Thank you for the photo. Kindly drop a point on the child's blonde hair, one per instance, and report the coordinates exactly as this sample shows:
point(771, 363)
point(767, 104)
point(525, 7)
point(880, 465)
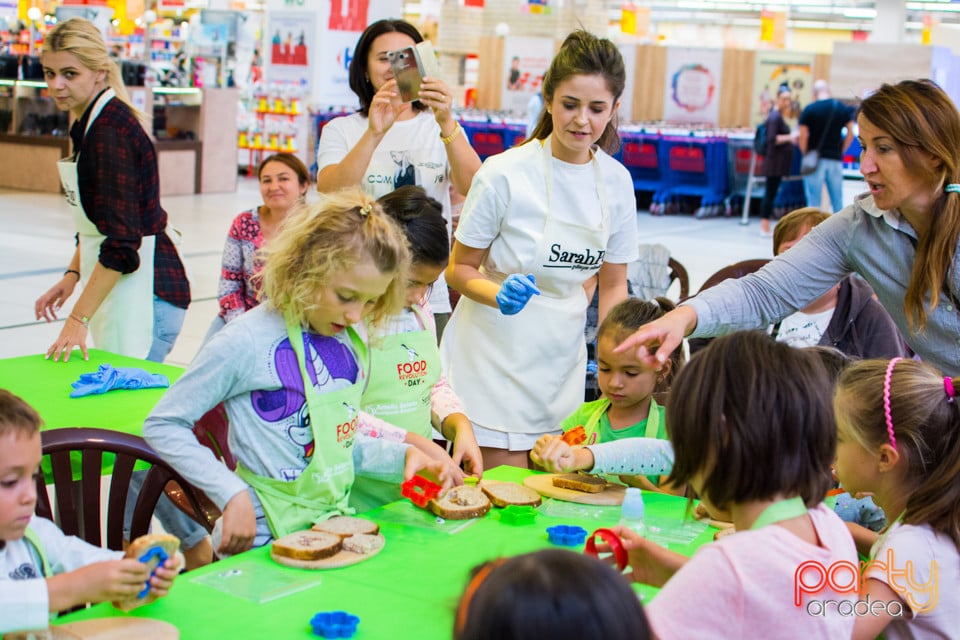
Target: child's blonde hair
point(329, 237)
point(16, 416)
point(925, 417)
point(82, 38)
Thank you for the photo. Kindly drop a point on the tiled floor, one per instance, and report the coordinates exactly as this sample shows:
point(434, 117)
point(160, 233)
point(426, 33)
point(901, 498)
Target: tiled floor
point(37, 242)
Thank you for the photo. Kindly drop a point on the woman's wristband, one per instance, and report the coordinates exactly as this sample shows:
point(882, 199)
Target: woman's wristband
point(84, 320)
point(74, 272)
point(453, 134)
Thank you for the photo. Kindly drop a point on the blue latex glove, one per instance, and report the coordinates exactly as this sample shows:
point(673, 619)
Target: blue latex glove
point(108, 377)
point(515, 292)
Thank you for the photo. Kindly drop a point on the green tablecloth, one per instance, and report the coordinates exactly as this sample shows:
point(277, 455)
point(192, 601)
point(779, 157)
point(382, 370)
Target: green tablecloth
point(409, 590)
point(46, 386)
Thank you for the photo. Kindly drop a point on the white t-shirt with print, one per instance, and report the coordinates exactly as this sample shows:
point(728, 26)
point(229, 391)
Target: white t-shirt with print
point(411, 152)
point(801, 329)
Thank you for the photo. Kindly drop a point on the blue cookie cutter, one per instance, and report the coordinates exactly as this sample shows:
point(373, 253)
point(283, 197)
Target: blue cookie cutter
point(161, 556)
point(567, 535)
point(334, 624)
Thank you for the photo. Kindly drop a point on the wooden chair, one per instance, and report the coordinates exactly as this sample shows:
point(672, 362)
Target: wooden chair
point(735, 270)
point(76, 457)
point(679, 273)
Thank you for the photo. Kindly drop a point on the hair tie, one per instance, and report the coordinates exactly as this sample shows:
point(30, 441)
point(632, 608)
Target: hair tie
point(886, 401)
point(952, 188)
point(948, 389)
point(366, 209)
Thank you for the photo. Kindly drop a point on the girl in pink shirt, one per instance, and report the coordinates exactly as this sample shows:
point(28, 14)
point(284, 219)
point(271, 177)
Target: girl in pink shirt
point(899, 439)
point(753, 434)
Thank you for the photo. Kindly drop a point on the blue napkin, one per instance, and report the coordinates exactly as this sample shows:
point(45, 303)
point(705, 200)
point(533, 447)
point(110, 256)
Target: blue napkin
point(108, 377)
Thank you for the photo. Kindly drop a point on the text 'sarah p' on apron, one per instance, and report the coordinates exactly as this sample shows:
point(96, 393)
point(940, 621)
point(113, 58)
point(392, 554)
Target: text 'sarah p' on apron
point(322, 489)
point(403, 369)
point(124, 321)
point(524, 373)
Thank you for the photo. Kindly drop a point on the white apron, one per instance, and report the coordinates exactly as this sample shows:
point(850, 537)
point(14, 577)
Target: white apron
point(124, 321)
point(524, 373)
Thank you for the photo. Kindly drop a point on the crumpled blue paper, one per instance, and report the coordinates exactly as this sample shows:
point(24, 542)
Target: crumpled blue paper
point(108, 378)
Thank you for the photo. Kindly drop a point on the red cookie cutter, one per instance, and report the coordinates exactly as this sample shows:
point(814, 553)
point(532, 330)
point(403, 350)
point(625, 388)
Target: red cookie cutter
point(575, 436)
point(420, 490)
point(616, 546)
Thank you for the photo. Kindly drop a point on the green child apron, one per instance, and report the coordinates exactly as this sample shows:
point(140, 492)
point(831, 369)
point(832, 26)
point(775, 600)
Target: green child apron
point(31, 536)
point(403, 369)
point(323, 488)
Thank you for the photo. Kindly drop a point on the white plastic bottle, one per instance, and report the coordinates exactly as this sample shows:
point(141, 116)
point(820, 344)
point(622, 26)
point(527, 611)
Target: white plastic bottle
point(631, 512)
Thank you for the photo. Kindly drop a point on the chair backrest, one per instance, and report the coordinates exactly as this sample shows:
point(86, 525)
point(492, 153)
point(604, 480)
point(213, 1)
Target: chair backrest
point(77, 458)
point(211, 431)
point(735, 270)
point(654, 272)
point(679, 272)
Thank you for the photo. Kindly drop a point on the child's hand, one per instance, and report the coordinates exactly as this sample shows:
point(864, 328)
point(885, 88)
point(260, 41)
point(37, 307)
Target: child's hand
point(556, 456)
point(97, 582)
point(465, 447)
point(649, 562)
point(239, 525)
point(446, 473)
point(164, 575)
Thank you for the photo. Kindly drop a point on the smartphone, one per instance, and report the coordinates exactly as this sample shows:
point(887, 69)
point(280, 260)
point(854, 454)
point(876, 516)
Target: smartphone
point(410, 65)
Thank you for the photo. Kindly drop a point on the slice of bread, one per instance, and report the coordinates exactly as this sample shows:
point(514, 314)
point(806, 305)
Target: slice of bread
point(363, 543)
point(141, 549)
point(502, 494)
point(580, 482)
point(346, 526)
point(460, 503)
point(307, 545)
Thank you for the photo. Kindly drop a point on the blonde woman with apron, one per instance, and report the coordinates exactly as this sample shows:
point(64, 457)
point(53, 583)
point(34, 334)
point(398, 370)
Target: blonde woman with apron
point(540, 222)
point(112, 187)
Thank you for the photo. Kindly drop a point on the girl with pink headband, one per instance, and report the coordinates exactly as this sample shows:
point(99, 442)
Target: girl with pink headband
point(899, 439)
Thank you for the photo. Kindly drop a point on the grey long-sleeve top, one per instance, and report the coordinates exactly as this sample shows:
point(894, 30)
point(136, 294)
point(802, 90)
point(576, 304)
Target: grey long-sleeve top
point(878, 245)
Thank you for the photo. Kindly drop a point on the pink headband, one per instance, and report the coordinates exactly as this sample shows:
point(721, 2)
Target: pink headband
point(948, 388)
point(886, 401)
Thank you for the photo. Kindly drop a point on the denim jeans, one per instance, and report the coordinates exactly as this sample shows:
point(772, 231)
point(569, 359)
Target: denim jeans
point(167, 321)
point(831, 172)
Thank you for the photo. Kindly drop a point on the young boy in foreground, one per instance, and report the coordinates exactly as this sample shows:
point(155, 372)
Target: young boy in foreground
point(42, 570)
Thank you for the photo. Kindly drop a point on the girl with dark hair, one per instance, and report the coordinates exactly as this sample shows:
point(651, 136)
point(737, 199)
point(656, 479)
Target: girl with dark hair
point(406, 387)
point(899, 439)
point(540, 221)
point(627, 408)
point(753, 434)
point(388, 143)
point(901, 237)
point(553, 593)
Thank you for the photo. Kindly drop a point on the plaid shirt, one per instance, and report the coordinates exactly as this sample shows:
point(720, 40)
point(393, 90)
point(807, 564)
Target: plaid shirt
point(120, 194)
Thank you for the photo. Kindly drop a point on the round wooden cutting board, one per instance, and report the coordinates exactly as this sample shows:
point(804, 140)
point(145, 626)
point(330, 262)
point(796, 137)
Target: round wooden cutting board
point(116, 629)
point(611, 496)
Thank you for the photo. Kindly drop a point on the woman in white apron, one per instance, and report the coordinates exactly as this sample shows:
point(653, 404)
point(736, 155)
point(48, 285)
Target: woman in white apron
point(545, 217)
point(388, 143)
point(135, 289)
